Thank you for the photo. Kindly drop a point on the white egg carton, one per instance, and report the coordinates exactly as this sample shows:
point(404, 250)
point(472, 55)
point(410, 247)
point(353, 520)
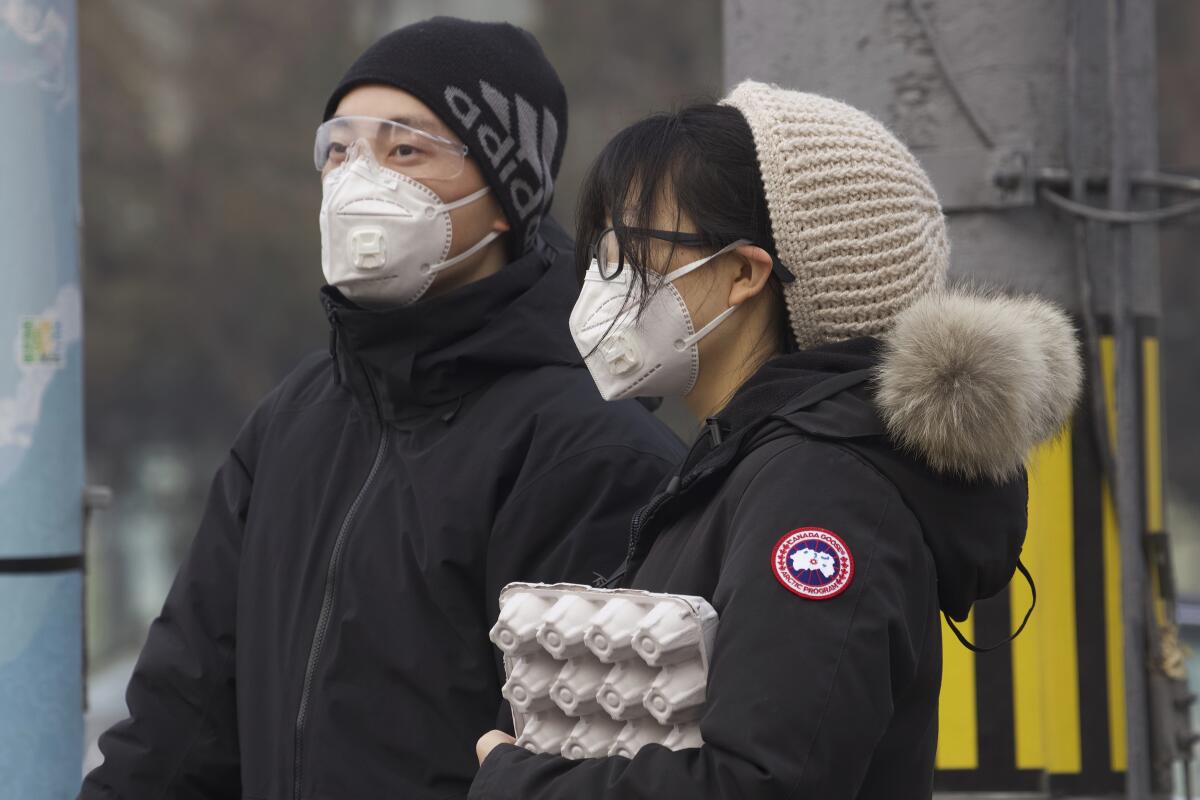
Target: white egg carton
point(596, 672)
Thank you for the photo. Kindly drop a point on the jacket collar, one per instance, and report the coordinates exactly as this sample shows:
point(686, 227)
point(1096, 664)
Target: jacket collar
point(817, 390)
point(813, 384)
point(437, 351)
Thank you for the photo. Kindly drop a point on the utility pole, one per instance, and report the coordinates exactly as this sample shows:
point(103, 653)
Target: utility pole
point(1129, 36)
point(1036, 121)
point(41, 411)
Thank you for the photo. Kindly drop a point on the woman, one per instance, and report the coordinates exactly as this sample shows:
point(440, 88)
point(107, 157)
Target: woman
point(778, 261)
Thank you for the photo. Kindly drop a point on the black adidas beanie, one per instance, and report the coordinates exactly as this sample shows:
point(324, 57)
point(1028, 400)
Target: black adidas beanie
point(491, 84)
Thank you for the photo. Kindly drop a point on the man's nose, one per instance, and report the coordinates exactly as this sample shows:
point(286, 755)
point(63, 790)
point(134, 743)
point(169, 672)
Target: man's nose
point(359, 148)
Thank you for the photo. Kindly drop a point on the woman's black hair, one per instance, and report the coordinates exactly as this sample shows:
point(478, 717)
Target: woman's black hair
point(703, 158)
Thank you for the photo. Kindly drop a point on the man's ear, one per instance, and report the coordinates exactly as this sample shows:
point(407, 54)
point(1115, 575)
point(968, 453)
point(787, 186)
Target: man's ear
point(753, 270)
point(500, 223)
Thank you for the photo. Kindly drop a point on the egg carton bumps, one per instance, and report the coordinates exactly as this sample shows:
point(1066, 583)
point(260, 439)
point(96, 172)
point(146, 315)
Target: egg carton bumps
point(598, 672)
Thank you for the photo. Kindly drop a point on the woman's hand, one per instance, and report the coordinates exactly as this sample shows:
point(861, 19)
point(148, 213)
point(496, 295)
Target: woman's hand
point(488, 742)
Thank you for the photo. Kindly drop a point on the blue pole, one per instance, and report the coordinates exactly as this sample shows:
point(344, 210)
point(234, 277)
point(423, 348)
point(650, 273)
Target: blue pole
point(41, 406)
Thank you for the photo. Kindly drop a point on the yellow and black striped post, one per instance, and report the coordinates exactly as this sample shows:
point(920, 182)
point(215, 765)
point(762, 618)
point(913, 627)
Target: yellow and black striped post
point(1047, 714)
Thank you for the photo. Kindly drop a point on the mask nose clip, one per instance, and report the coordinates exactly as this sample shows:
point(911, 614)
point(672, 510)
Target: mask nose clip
point(359, 148)
point(360, 159)
point(620, 354)
point(368, 247)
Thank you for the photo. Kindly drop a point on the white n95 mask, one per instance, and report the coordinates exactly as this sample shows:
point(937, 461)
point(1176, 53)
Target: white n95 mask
point(653, 353)
point(385, 236)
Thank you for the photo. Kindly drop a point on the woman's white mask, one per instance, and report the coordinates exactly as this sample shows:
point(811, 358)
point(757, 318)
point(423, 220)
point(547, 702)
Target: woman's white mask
point(637, 348)
point(385, 236)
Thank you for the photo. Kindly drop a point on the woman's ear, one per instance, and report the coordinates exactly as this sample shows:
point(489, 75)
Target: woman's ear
point(753, 271)
point(500, 223)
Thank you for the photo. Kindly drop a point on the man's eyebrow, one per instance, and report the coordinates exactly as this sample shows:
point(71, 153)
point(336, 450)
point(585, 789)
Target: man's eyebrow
point(427, 124)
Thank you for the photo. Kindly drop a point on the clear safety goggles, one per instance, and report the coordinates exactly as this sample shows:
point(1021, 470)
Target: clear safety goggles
point(407, 150)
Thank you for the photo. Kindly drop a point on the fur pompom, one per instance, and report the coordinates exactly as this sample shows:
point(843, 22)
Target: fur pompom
point(972, 382)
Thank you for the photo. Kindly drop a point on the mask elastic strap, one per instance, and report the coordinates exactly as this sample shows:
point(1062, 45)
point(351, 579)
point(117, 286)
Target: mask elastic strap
point(434, 269)
point(977, 649)
point(465, 201)
point(671, 277)
point(685, 343)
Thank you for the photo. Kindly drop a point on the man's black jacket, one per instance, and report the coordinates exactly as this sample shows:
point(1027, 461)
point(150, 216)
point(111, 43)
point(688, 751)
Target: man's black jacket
point(326, 636)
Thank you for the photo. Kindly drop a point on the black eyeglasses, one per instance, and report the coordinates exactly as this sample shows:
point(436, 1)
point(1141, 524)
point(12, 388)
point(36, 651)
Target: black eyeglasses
point(610, 258)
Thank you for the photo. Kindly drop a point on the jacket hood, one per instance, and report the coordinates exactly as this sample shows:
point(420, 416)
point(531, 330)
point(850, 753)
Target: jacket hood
point(436, 351)
point(947, 405)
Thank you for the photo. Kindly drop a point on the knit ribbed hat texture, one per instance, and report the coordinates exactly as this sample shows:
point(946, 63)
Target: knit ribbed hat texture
point(492, 84)
point(854, 217)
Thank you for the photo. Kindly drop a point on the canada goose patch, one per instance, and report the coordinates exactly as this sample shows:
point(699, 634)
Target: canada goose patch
point(813, 563)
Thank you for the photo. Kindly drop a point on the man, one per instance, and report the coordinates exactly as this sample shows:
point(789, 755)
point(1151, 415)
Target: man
point(326, 636)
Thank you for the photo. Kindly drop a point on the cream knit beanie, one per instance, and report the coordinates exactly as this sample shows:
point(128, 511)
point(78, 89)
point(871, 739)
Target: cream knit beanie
point(855, 218)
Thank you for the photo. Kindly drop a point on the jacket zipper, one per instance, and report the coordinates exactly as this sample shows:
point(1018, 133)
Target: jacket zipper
point(318, 642)
point(674, 487)
point(644, 514)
